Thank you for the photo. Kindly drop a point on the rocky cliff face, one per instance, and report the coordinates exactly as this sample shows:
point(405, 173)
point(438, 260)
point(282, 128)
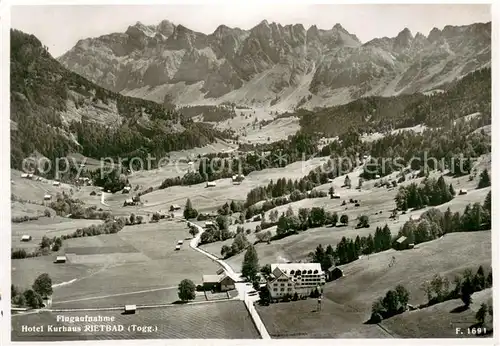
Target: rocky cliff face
point(271, 64)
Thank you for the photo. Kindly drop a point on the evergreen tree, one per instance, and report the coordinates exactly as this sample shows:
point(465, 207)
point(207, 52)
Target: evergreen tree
point(452, 190)
point(189, 211)
point(484, 179)
point(344, 219)
point(250, 266)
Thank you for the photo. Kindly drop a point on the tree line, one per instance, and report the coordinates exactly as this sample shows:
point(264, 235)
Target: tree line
point(431, 193)
point(224, 165)
point(387, 113)
point(434, 223)
point(349, 250)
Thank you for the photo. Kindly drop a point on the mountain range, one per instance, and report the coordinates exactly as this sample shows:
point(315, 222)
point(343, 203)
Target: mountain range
point(274, 65)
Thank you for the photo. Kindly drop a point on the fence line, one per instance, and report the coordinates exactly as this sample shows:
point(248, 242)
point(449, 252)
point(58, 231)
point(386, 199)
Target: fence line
point(256, 319)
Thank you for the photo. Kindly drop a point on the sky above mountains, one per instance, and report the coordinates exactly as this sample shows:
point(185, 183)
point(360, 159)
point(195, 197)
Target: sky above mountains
point(60, 27)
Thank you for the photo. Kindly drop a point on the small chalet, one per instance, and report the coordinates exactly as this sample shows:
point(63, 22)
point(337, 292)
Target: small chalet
point(333, 273)
point(60, 259)
point(129, 309)
point(26, 237)
point(175, 207)
point(218, 283)
point(209, 224)
point(402, 243)
point(47, 301)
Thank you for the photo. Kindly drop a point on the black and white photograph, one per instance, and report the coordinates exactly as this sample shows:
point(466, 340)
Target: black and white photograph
point(249, 171)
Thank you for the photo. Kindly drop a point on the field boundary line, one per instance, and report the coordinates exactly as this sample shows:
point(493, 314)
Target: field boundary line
point(385, 330)
point(140, 306)
point(116, 295)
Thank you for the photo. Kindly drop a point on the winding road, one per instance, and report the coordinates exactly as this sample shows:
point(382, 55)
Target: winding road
point(242, 287)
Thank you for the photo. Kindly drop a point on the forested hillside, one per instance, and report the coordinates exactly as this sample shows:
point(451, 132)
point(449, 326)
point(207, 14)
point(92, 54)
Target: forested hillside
point(55, 112)
point(377, 114)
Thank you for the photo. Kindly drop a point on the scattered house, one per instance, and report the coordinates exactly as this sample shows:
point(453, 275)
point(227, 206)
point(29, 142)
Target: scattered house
point(220, 271)
point(24, 175)
point(209, 224)
point(462, 192)
point(47, 301)
point(336, 196)
point(218, 283)
point(175, 207)
point(128, 202)
point(60, 259)
point(330, 180)
point(126, 189)
point(26, 237)
point(211, 184)
point(291, 278)
point(257, 218)
point(129, 309)
point(377, 176)
point(402, 243)
point(238, 178)
point(136, 199)
point(30, 176)
point(180, 242)
point(47, 197)
point(177, 247)
point(411, 246)
point(56, 183)
point(333, 273)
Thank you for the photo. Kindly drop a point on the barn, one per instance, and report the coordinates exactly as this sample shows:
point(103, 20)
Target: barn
point(402, 243)
point(218, 283)
point(333, 273)
point(209, 224)
point(129, 309)
point(26, 237)
point(60, 259)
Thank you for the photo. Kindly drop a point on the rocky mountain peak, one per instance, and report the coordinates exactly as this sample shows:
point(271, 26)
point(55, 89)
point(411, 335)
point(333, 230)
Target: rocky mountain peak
point(434, 35)
point(403, 39)
point(166, 28)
